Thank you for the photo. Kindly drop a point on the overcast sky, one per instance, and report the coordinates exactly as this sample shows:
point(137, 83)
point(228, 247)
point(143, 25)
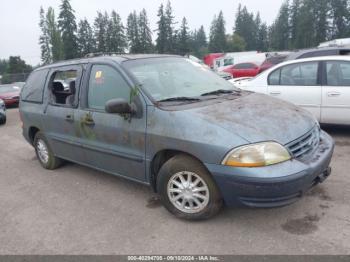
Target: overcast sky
point(19, 19)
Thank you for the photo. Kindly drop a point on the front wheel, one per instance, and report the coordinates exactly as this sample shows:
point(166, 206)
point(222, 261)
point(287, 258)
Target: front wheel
point(187, 189)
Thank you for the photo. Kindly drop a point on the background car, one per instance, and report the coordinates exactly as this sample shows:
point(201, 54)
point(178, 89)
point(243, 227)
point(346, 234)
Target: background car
point(10, 94)
point(315, 52)
point(243, 70)
point(2, 112)
point(320, 85)
point(272, 61)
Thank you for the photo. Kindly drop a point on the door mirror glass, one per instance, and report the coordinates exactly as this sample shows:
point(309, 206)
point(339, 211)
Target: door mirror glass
point(119, 106)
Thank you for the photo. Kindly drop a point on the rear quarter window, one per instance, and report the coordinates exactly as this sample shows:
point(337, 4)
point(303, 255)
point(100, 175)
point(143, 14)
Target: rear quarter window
point(33, 89)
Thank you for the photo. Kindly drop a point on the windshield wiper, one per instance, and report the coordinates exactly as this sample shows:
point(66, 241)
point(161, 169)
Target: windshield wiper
point(180, 98)
point(220, 91)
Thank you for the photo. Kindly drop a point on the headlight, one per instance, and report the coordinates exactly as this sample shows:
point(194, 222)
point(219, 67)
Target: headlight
point(257, 155)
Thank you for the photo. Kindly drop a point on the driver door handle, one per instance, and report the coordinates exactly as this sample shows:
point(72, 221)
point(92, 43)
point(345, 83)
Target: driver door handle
point(69, 118)
point(333, 94)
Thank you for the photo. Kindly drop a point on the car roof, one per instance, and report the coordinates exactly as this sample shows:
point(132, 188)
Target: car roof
point(103, 58)
point(302, 52)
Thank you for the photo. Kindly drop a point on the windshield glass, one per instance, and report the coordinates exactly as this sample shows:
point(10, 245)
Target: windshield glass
point(165, 78)
point(8, 89)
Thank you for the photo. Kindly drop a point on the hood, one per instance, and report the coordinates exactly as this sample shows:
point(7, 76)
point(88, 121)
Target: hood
point(257, 117)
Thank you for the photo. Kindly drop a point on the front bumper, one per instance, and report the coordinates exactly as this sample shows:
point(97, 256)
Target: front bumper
point(275, 185)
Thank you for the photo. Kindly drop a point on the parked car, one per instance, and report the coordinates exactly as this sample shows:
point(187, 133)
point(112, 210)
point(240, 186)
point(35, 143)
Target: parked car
point(315, 52)
point(320, 85)
point(272, 61)
point(10, 94)
point(243, 70)
point(2, 112)
point(168, 122)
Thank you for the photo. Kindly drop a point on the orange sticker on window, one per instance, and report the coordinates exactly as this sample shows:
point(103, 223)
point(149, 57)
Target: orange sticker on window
point(98, 75)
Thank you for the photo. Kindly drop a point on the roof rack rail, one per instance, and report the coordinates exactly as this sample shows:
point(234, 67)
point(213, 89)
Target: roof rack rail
point(91, 55)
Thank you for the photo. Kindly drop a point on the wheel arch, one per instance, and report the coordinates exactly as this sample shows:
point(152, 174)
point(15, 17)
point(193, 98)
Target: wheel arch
point(159, 159)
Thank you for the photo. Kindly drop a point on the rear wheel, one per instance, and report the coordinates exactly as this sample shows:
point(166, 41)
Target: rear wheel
point(44, 153)
point(187, 189)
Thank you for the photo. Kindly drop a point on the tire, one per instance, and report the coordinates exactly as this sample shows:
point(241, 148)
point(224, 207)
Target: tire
point(48, 160)
point(168, 180)
point(3, 120)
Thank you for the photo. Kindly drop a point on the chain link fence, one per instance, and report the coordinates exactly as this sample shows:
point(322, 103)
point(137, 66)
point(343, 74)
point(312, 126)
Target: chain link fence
point(11, 78)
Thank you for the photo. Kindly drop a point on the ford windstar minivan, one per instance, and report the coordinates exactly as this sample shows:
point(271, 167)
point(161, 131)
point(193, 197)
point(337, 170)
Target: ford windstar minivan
point(170, 123)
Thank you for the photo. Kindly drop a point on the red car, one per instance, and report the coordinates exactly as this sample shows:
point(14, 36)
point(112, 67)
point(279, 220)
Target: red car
point(243, 70)
point(10, 94)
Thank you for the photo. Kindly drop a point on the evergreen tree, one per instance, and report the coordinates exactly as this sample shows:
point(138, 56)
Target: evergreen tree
point(340, 18)
point(44, 39)
point(68, 27)
point(133, 33)
point(263, 40)
point(280, 29)
point(184, 39)
point(145, 37)
point(247, 27)
point(54, 34)
point(116, 39)
point(217, 38)
point(100, 31)
point(165, 29)
point(85, 38)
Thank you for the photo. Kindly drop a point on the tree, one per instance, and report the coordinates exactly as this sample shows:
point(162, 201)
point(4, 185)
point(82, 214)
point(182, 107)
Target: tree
point(183, 40)
point(116, 39)
point(85, 38)
point(133, 33)
point(54, 34)
point(145, 32)
point(279, 31)
point(165, 29)
point(340, 16)
point(247, 27)
point(68, 27)
point(262, 40)
point(217, 38)
point(14, 66)
point(199, 43)
point(44, 39)
point(100, 31)
point(236, 43)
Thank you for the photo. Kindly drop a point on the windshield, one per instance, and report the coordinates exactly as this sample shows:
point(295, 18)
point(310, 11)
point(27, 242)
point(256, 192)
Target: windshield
point(165, 78)
point(8, 89)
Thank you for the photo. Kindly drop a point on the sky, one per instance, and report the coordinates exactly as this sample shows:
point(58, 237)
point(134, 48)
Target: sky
point(19, 19)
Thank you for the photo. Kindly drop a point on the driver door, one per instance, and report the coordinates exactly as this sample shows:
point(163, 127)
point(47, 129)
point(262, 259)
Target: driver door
point(111, 142)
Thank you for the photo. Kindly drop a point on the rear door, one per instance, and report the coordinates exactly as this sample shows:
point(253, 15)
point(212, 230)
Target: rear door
point(336, 93)
point(62, 91)
point(299, 84)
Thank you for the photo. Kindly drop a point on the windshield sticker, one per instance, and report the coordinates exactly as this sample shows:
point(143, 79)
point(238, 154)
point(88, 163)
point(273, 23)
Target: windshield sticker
point(98, 75)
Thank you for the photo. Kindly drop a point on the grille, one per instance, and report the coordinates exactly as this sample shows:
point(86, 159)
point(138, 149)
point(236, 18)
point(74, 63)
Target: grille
point(305, 144)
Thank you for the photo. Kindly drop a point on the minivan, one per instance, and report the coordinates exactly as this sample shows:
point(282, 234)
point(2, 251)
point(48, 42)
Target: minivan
point(170, 123)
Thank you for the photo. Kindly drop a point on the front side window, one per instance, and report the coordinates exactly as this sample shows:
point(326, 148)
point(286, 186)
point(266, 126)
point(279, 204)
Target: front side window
point(304, 74)
point(33, 89)
point(338, 73)
point(165, 78)
point(228, 61)
point(105, 84)
point(274, 78)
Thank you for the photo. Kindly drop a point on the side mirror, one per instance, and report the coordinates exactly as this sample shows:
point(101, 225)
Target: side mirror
point(119, 106)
